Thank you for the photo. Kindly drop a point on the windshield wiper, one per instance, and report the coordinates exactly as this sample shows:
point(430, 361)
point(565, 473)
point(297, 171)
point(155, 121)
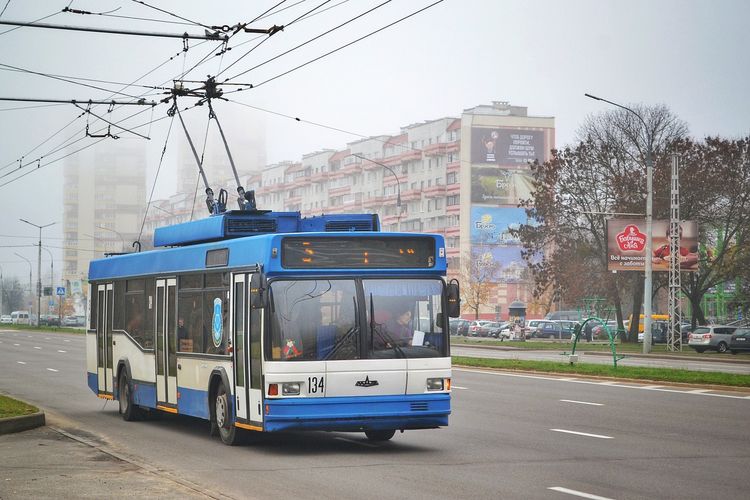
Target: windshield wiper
point(347, 336)
point(341, 341)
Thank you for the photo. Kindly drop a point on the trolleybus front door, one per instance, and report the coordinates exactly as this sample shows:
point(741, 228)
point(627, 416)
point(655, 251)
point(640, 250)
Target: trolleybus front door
point(166, 341)
point(246, 331)
point(104, 304)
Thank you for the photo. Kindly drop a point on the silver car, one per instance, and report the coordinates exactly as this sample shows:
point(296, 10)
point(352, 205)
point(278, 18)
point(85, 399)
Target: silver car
point(711, 338)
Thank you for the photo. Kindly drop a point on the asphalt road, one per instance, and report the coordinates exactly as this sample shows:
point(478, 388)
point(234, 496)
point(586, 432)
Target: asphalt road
point(510, 436)
point(726, 363)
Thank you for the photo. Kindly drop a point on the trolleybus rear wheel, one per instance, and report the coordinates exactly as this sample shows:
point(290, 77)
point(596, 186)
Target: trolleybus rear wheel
point(380, 435)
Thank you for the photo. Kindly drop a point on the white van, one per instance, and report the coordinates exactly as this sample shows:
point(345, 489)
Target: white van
point(19, 317)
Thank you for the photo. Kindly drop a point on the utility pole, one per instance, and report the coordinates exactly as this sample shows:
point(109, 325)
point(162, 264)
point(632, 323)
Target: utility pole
point(29, 263)
point(38, 269)
point(674, 340)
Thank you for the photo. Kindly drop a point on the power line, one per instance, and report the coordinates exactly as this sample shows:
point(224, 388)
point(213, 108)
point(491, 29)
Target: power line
point(6, 6)
point(348, 44)
point(32, 22)
point(310, 40)
point(30, 107)
point(8, 67)
point(171, 14)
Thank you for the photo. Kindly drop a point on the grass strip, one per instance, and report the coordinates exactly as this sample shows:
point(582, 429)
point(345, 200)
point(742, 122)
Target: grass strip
point(582, 346)
point(622, 372)
point(53, 329)
point(10, 407)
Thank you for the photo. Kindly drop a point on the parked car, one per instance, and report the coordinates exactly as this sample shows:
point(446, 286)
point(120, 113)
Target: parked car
point(49, 320)
point(537, 331)
point(711, 338)
point(5, 319)
point(459, 326)
point(600, 333)
point(477, 328)
point(20, 318)
point(558, 329)
point(564, 315)
point(498, 330)
point(74, 321)
point(531, 327)
point(740, 341)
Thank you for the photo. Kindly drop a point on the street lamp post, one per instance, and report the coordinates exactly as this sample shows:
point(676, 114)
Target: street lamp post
point(398, 187)
point(29, 263)
point(647, 283)
point(117, 233)
point(2, 290)
point(38, 268)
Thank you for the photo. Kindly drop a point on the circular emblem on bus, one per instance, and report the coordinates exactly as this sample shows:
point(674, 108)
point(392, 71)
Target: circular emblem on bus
point(216, 325)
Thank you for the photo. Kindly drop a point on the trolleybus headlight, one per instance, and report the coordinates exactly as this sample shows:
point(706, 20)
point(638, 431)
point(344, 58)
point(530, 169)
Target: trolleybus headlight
point(435, 384)
point(290, 389)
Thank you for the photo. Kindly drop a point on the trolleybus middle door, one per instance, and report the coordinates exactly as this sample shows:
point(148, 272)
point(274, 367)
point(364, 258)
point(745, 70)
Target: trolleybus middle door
point(166, 341)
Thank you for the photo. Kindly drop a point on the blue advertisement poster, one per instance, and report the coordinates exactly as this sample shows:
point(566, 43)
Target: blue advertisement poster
point(492, 225)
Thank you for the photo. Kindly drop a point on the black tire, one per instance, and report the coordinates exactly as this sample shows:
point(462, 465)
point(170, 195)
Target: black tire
point(222, 421)
point(722, 347)
point(129, 411)
point(380, 435)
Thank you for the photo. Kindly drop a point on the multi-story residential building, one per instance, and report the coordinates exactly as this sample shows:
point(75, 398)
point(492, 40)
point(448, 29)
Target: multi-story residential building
point(460, 177)
point(103, 203)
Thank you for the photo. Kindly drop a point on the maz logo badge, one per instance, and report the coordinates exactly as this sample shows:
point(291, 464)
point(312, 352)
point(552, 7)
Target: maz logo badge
point(366, 382)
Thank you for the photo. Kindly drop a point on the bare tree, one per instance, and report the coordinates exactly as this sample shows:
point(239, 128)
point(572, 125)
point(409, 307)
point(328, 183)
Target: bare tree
point(576, 191)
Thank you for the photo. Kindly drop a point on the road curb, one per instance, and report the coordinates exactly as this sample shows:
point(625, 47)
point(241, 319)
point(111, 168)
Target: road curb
point(21, 423)
point(634, 381)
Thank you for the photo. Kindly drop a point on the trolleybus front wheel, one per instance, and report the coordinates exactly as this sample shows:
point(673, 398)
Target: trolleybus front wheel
point(222, 418)
point(128, 410)
point(380, 435)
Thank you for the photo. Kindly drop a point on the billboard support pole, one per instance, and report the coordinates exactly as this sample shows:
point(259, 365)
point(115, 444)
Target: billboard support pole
point(674, 341)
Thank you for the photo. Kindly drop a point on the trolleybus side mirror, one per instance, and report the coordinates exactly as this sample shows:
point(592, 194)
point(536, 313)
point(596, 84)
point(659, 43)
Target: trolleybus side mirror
point(453, 296)
point(257, 291)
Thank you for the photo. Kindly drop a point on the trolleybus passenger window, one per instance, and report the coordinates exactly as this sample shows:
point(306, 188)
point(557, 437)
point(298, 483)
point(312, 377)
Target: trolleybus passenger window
point(118, 315)
point(190, 316)
point(191, 281)
point(94, 311)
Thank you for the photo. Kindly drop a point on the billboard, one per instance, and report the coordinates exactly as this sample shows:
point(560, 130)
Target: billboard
point(626, 245)
point(506, 146)
point(500, 186)
point(492, 225)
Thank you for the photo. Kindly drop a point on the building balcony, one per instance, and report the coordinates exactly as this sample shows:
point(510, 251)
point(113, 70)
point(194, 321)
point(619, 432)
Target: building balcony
point(319, 177)
point(435, 149)
point(454, 188)
point(453, 166)
point(452, 147)
point(293, 200)
point(435, 191)
point(390, 180)
point(411, 194)
point(390, 219)
point(452, 209)
point(452, 252)
point(452, 230)
point(372, 202)
point(412, 154)
point(339, 190)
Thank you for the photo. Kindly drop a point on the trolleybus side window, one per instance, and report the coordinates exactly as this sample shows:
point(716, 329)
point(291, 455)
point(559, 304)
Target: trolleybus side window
point(203, 314)
point(94, 311)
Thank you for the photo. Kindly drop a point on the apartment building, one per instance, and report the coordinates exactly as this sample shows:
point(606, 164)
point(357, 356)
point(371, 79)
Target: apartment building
point(103, 203)
point(462, 177)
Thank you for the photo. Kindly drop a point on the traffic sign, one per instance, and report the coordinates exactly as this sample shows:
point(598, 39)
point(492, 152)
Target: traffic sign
point(60, 290)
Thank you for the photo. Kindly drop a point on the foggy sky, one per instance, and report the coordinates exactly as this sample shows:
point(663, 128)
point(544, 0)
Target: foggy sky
point(689, 55)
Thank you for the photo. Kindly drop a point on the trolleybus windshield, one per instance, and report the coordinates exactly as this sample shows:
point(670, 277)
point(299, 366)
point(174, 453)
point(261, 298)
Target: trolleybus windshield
point(334, 319)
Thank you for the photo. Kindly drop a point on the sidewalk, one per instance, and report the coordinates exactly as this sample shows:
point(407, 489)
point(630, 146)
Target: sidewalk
point(49, 462)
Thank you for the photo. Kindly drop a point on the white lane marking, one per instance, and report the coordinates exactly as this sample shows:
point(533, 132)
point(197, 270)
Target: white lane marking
point(29, 336)
point(46, 338)
point(61, 350)
point(652, 387)
point(608, 382)
point(37, 347)
point(22, 362)
point(580, 402)
point(698, 391)
point(52, 370)
point(586, 434)
point(66, 340)
point(362, 443)
point(457, 387)
point(578, 493)
point(614, 384)
point(16, 345)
